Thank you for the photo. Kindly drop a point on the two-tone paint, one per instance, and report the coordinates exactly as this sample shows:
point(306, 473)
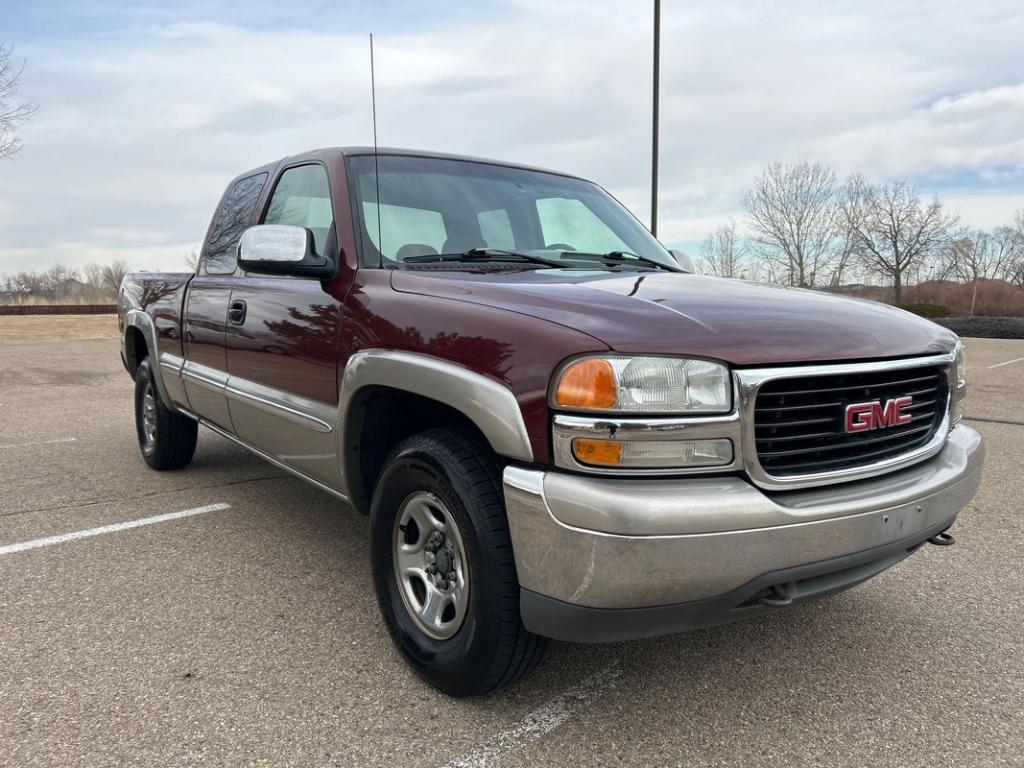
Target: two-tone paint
point(289, 368)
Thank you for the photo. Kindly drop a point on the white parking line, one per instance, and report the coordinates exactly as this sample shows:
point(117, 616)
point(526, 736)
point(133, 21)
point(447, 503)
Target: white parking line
point(54, 441)
point(1008, 362)
point(49, 541)
point(539, 722)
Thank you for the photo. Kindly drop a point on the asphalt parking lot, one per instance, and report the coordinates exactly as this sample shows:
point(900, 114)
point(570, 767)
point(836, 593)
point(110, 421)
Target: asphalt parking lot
point(248, 634)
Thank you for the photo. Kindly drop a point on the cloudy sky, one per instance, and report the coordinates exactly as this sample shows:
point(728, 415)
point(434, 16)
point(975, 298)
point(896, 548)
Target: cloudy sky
point(147, 109)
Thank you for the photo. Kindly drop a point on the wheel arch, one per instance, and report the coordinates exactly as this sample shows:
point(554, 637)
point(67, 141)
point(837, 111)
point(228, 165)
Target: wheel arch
point(139, 343)
point(135, 349)
point(387, 396)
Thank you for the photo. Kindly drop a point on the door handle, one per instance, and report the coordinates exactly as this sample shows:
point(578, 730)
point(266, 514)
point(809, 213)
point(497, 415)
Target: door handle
point(236, 312)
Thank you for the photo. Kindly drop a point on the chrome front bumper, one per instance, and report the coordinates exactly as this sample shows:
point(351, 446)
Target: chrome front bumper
point(605, 559)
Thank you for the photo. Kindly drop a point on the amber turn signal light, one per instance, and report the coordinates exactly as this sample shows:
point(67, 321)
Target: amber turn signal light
point(587, 384)
point(606, 453)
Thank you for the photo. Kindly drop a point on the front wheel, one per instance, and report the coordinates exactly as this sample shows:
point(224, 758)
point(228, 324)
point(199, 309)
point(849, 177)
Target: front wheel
point(443, 565)
point(167, 439)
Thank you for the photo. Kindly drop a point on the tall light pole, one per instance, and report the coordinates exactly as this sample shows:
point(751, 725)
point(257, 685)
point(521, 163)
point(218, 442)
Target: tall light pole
point(654, 116)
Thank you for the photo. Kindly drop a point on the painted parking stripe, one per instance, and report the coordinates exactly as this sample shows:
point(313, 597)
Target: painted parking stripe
point(54, 441)
point(64, 538)
point(1008, 362)
point(539, 722)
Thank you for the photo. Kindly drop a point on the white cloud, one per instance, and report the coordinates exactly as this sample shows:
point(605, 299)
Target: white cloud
point(983, 209)
point(140, 129)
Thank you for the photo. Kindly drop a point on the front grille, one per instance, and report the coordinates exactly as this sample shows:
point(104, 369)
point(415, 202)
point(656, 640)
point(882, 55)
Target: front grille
point(800, 423)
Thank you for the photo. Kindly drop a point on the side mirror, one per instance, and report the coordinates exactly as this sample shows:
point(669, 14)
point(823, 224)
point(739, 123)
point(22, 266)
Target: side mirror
point(684, 261)
point(279, 249)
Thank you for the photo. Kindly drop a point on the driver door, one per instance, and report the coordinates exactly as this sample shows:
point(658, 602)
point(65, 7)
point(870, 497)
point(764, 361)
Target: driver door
point(282, 340)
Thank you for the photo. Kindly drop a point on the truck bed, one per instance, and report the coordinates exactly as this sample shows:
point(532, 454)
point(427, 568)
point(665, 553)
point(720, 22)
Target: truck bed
point(160, 295)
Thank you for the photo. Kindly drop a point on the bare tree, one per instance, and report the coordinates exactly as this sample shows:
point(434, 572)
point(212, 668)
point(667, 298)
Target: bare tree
point(13, 111)
point(57, 278)
point(96, 290)
point(793, 212)
point(976, 256)
point(96, 283)
point(723, 252)
point(1013, 237)
point(895, 231)
point(92, 276)
point(192, 259)
point(113, 274)
point(849, 212)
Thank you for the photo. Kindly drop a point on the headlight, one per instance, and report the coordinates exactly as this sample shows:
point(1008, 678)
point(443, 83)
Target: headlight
point(961, 363)
point(644, 385)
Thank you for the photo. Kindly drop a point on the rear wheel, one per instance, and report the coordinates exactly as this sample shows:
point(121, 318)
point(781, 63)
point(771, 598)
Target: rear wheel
point(167, 439)
point(443, 565)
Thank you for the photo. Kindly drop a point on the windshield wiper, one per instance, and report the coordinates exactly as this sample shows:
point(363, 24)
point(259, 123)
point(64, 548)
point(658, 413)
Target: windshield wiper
point(619, 257)
point(611, 259)
point(482, 254)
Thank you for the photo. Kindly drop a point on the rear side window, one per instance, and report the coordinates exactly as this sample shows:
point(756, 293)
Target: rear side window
point(232, 218)
point(302, 198)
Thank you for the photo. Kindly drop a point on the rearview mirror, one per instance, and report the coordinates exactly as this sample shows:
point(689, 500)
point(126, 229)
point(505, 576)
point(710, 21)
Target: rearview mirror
point(279, 249)
point(684, 261)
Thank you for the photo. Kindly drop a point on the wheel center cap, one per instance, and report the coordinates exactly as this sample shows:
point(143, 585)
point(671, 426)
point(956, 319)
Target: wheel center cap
point(443, 561)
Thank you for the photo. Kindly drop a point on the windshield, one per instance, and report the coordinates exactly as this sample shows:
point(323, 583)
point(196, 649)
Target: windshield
point(432, 206)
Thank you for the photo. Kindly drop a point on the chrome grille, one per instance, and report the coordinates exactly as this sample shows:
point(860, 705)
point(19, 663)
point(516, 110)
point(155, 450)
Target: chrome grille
point(799, 423)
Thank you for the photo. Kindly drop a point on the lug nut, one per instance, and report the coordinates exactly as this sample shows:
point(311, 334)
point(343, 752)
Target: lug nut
point(435, 541)
point(429, 556)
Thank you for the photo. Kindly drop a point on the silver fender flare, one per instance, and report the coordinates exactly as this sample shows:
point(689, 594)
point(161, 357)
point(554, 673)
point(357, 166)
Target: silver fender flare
point(136, 318)
point(488, 404)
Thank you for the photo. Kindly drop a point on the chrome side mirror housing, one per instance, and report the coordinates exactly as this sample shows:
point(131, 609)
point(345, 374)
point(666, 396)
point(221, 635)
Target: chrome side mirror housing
point(684, 261)
point(280, 249)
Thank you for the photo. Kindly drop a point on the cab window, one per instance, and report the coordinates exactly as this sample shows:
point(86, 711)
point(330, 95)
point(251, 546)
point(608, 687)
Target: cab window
point(302, 198)
point(232, 218)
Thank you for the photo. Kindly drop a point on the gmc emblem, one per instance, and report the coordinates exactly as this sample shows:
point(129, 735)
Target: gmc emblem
point(863, 417)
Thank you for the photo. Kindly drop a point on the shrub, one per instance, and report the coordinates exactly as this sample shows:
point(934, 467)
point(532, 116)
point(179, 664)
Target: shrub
point(927, 309)
point(986, 327)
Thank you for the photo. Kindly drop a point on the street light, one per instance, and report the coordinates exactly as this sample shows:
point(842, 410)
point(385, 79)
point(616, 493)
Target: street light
point(654, 116)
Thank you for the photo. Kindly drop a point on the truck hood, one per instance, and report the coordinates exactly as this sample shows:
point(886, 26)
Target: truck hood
point(742, 323)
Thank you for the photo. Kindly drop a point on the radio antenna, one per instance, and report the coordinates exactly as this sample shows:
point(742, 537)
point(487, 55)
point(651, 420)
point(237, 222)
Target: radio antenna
point(376, 166)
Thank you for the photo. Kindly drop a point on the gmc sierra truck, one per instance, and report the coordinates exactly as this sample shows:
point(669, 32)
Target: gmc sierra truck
point(555, 428)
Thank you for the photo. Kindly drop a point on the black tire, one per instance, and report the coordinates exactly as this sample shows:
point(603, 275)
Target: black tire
point(491, 648)
point(173, 440)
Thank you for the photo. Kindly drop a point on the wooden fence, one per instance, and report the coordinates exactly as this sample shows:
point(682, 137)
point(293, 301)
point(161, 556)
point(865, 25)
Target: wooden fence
point(58, 309)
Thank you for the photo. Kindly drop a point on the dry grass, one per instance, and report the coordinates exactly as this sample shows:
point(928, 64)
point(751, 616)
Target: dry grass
point(42, 327)
point(996, 298)
point(92, 297)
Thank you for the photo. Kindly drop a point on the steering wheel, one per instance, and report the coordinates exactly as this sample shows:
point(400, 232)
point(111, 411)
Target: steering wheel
point(559, 247)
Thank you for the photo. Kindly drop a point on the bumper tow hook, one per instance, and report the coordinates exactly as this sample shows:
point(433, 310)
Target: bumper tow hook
point(778, 595)
point(943, 539)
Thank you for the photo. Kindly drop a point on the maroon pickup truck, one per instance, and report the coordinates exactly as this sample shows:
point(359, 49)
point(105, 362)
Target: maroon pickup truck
point(557, 430)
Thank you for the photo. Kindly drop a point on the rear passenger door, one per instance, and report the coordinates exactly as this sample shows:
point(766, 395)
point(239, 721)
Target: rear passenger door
point(282, 356)
point(206, 305)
